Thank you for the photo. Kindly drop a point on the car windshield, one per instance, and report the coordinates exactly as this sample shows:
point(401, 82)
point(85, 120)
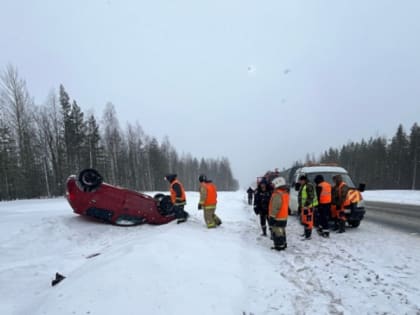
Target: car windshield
point(329, 175)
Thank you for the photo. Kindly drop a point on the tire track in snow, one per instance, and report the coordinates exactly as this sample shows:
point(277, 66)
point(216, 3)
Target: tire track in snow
point(296, 269)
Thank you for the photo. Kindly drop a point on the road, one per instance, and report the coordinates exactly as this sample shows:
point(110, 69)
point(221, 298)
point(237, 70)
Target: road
point(403, 217)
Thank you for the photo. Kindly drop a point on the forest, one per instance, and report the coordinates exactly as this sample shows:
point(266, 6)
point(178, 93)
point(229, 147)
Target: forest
point(380, 162)
point(42, 144)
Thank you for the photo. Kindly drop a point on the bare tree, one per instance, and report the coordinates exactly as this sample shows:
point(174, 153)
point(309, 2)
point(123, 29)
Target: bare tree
point(17, 103)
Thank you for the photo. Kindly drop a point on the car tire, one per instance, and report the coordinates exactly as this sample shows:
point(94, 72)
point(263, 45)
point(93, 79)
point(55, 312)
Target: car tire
point(158, 197)
point(164, 204)
point(354, 224)
point(90, 179)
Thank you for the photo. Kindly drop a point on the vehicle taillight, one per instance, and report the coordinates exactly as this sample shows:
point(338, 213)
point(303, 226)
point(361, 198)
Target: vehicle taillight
point(71, 196)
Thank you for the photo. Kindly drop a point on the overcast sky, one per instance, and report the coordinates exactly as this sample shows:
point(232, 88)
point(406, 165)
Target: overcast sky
point(261, 82)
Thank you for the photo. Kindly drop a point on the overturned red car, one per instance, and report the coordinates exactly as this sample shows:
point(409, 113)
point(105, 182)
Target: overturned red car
point(88, 195)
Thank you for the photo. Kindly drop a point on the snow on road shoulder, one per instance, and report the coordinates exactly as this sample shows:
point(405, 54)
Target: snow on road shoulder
point(187, 269)
point(409, 197)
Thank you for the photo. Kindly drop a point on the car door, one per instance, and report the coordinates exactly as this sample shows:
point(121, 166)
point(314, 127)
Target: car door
point(293, 201)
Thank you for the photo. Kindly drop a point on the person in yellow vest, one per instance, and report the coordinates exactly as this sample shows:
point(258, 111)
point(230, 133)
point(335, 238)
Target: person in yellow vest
point(178, 197)
point(307, 202)
point(323, 191)
point(278, 211)
point(208, 202)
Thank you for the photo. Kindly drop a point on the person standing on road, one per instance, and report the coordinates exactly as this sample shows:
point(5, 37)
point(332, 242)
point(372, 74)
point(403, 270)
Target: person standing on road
point(178, 197)
point(307, 200)
point(208, 202)
point(261, 202)
point(323, 191)
point(278, 213)
point(250, 193)
point(339, 199)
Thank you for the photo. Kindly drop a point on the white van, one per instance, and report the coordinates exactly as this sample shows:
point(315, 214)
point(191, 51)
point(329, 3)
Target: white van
point(328, 172)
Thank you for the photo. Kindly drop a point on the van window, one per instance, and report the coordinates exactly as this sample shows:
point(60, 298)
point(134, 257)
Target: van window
point(328, 177)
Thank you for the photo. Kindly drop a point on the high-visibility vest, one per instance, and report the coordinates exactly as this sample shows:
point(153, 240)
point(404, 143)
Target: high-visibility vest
point(305, 196)
point(284, 211)
point(211, 197)
point(180, 200)
point(325, 196)
point(353, 196)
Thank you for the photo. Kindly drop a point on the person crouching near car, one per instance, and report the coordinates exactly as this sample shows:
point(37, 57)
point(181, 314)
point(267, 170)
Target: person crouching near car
point(208, 202)
point(178, 197)
point(278, 211)
point(261, 202)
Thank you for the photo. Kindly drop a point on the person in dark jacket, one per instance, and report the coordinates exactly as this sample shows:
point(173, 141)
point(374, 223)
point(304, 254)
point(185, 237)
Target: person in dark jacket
point(178, 197)
point(250, 193)
point(261, 202)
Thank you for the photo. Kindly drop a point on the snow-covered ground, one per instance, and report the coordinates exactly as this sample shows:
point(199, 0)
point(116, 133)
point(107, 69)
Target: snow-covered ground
point(187, 269)
point(411, 197)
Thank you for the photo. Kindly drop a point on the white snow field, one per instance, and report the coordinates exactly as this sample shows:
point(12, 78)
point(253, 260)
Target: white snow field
point(410, 197)
point(187, 269)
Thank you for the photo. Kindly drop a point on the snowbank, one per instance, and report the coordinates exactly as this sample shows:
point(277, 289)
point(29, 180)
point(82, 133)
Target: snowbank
point(187, 269)
point(411, 197)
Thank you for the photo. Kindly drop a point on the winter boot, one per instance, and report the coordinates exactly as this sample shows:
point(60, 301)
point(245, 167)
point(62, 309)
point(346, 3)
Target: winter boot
point(264, 231)
point(336, 225)
point(326, 233)
point(279, 243)
point(342, 227)
point(217, 220)
point(308, 234)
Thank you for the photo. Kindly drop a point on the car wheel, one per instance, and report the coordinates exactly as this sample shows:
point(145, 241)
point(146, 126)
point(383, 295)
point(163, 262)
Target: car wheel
point(158, 197)
point(354, 224)
point(164, 204)
point(90, 179)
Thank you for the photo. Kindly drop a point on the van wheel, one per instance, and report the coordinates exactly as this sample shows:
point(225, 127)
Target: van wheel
point(354, 224)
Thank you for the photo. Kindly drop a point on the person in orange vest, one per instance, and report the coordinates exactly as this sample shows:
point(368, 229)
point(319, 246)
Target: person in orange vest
point(323, 191)
point(339, 201)
point(278, 211)
point(178, 197)
point(208, 202)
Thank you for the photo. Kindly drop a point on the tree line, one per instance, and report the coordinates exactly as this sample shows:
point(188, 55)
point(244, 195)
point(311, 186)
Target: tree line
point(379, 162)
point(41, 145)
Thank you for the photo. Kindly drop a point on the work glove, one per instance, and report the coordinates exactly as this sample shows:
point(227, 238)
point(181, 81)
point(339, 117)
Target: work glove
point(257, 212)
point(200, 206)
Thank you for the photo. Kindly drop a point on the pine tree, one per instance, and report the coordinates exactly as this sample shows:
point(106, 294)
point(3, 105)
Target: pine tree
point(415, 156)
